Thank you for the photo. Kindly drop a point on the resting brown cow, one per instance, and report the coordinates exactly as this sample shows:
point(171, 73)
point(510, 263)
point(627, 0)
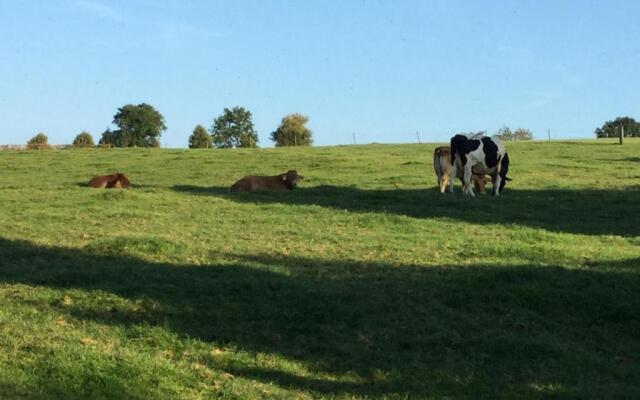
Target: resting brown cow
point(252, 183)
point(115, 181)
point(442, 166)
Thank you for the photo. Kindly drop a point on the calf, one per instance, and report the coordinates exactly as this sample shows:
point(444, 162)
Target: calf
point(114, 181)
point(442, 166)
point(252, 183)
point(482, 154)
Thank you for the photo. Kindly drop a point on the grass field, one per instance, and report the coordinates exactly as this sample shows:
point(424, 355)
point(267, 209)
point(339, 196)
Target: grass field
point(363, 283)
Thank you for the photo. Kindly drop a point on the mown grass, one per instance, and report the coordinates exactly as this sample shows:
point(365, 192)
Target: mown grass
point(363, 283)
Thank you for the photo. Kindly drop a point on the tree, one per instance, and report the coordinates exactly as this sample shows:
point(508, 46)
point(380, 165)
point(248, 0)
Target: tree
point(522, 134)
point(504, 133)
point(39, 141)
point(200, 139)
point(83, 139)
point(612, 128)
point(292, 131)
point(139, 126)
point(234, 128)
point(109, 139)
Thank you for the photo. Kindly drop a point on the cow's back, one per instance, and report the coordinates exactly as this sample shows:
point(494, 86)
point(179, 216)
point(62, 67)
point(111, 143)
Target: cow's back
point(114, 181)
point(253, 183)
point(100, 181)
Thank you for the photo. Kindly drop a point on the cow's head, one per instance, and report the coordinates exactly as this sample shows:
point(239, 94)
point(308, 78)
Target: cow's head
point(121, 181)
point(504, 169)
point(292, 178)
point(479, 182)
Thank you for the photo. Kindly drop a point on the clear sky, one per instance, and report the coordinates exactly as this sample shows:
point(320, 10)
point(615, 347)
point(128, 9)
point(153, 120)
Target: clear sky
point(380, 69)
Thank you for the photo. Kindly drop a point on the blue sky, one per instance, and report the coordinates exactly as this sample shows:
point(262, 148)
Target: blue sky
point(380, 69)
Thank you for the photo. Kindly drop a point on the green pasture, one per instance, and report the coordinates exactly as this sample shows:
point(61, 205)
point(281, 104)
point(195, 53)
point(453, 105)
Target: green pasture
point(363, 283)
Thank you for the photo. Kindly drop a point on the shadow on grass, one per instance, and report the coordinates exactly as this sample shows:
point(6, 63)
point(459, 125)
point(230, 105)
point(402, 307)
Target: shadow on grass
point(131, 186)
point(595, 212)
point(464, 332)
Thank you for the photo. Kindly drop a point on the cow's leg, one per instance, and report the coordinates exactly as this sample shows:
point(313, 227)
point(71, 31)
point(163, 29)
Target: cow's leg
point(468, 187)
point(452, 176)
point(493, 184)
point(496, 186)
point(444, 180)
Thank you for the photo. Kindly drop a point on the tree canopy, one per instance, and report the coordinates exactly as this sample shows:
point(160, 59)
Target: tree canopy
point(522, 134)
point(507, 134)
point(234, 128)
point(200, 138)
point(83, 139)
point(612, 128)
point(138, 125)
point(292, 131)
point(39, 141)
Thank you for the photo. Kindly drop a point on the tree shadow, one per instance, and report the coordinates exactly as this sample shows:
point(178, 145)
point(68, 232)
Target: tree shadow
point(581, 211)
point(467, 332)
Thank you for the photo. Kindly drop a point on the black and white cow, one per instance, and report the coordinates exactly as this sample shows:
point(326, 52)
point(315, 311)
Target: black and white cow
point(482, 154)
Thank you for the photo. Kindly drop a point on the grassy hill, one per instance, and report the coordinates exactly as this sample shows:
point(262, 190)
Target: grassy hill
point(363, 283)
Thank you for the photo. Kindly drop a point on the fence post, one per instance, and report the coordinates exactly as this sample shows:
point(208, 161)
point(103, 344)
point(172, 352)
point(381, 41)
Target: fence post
point(621, 134)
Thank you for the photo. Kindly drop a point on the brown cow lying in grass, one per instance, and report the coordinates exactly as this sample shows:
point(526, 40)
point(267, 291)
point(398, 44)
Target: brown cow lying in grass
point(115, 181)
point(442, 166)
point(252, 183)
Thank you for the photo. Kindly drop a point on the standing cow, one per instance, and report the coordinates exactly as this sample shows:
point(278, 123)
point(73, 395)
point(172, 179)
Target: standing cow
point(486, 155)
point(442, 166)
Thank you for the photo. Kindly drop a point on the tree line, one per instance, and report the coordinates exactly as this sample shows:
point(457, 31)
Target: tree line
point(142, 125)
point(612, 129)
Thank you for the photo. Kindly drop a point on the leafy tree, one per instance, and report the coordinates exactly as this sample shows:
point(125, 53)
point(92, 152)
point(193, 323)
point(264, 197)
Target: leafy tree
point(200, 139)
point(612, 128)
point(234, 128)
point(109, 139)
point(504, 133)
point(139, 126)
point(39, 141)
point(83, 139)
point(522, 134)
point(292, 131)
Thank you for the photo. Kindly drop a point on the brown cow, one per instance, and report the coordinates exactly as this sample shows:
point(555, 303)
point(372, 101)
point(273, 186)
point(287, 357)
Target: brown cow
point(252, 183)
point(442, 166)
point(115, 181)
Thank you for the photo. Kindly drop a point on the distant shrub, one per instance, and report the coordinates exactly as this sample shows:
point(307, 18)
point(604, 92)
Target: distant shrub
point(200, 139)
point(504, 133)
point(507, 134)
point(292, 131)
point(83, 139)
point(39, 141)
point(522, 134)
